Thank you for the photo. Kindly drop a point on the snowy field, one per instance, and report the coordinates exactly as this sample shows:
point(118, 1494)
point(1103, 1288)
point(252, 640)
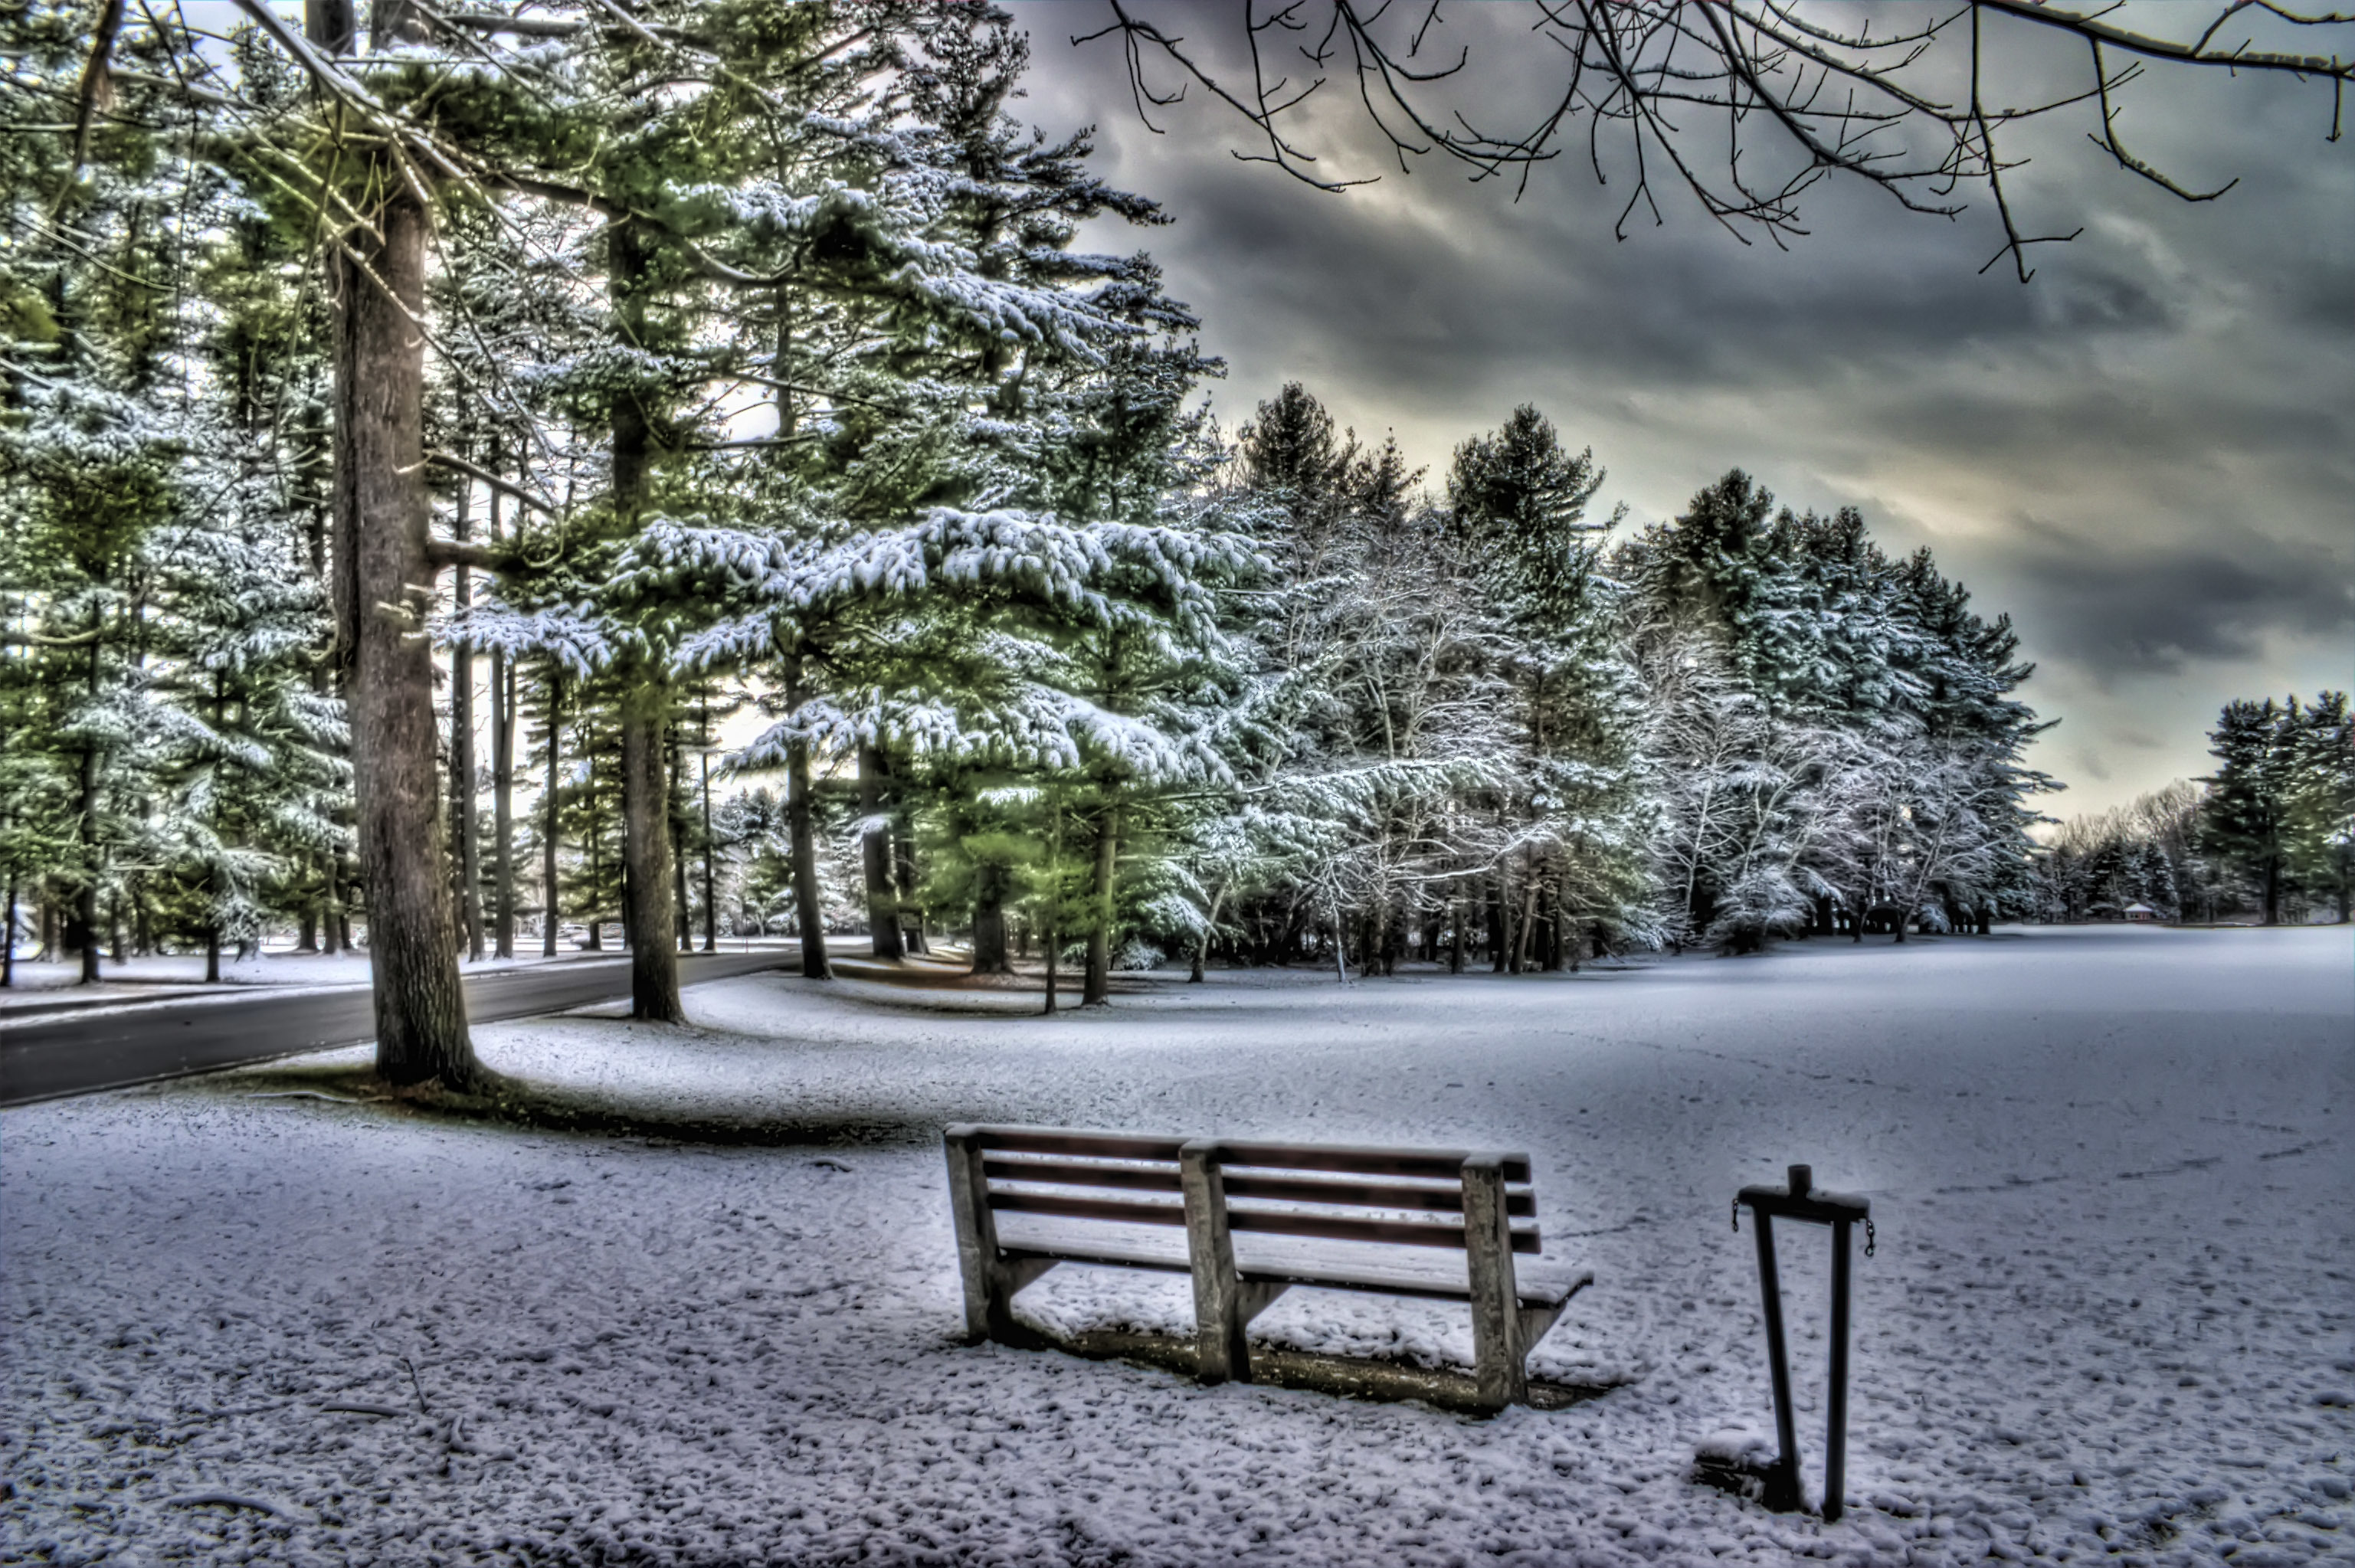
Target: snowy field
point(2109, 1318)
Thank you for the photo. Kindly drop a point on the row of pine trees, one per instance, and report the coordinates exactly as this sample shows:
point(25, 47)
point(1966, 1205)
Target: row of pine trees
point(807, 530)
point(2270, 835)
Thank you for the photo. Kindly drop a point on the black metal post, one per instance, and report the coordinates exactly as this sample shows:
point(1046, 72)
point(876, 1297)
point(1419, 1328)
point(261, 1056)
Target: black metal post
point(1801, 1201)
point(1783, 1486)
point(1836, 1420)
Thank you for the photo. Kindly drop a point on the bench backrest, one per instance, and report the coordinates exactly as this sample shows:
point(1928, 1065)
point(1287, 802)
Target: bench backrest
point(1405, 1196)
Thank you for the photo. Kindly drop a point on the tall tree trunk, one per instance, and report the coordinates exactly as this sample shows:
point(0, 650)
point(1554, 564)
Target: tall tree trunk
point(384, 596)
point(502, 745)
point(1095, 987)
point(1460, 919)
point(676, 802)
point(710, 877)
point(462, 753)
point(503, 739)
point(875, 857)
point(8, 939)
point(645, 793)
point(81, 932)
point(551, 914)
point(596, 853)
point(646, 859)
point(802, 828)
point(2273, 892)
point(904, 857)
point(1202, 942)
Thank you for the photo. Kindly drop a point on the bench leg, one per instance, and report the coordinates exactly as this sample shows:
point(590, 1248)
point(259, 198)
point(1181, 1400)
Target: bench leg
point(990, 1278)
point(1224, 1302)
point(1498, 1370)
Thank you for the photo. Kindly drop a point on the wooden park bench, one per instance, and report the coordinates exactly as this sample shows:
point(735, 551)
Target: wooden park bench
point(1291, 1203)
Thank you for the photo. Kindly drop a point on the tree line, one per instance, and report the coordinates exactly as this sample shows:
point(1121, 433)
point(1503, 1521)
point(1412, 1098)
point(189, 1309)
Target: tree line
point(2270, 834)
point(679, 464)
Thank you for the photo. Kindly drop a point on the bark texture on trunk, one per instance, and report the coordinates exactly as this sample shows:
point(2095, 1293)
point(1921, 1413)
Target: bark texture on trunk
point(646, 830)
point(875, 857)
point(384, 593)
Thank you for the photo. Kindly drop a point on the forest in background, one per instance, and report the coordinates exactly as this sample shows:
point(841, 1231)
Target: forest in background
point(816, 537)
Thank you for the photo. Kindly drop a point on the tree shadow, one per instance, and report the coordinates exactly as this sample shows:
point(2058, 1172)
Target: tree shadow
point(518, 1104)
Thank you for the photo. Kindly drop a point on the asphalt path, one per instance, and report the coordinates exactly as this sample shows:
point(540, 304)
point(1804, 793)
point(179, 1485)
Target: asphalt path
point(110, 1045)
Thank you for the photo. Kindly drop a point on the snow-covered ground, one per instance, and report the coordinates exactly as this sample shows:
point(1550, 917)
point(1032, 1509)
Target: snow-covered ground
point(2109, 1316)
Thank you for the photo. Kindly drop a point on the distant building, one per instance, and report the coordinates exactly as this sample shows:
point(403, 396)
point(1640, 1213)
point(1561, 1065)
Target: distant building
point(2141, 913)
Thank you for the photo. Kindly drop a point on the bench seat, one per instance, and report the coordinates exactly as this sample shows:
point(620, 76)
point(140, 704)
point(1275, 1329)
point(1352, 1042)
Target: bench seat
point(1438, 1224)
point(1337, 1267)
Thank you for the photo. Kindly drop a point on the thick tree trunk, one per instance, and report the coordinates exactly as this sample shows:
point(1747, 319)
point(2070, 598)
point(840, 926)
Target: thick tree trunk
point(1460, 920)
point(646, 855)
point(646, 882)
point(1095, 987)
point(2272, 892)
point(989, 951)
point(551, 914)
point(384, 596)
point(874, 859)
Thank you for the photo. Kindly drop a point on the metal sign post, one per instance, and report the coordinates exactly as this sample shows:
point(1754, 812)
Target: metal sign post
point(1801, 1201)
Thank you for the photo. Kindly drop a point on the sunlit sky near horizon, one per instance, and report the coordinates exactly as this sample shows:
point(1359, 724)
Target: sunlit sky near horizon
point(2147, 454)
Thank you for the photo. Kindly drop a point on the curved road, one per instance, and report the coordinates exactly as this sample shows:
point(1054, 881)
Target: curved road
point(109, 1045)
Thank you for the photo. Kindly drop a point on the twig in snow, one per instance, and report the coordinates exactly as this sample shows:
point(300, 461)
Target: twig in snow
point(228, 1500)
point(361, 1407)
point(415, 1384)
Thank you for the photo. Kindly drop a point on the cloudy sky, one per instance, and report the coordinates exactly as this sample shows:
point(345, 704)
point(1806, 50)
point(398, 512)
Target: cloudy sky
point(2146, 455)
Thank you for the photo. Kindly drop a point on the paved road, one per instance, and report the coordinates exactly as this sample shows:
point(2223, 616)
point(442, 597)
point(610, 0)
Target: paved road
point(137, 1042)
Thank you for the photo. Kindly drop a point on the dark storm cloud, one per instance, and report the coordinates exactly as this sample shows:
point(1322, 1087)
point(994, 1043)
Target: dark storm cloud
point(2148, 454)
point(2119, 610)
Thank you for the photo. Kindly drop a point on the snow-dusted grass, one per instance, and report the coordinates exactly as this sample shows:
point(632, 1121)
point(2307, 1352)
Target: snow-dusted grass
point(2109, 1315)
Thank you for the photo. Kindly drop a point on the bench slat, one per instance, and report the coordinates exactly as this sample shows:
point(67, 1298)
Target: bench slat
point(1080, 1141)
point(1446, 1200)
point(1440, 1163)
point(1351, 1228)
point(1544, 1291)
point(1072, 1173)
point(1120, 1209)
